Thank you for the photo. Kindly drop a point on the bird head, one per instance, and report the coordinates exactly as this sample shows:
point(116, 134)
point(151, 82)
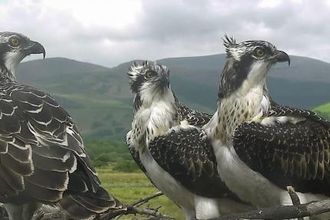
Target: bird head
point(248, 63)
point(14, 47)
point(150, 82)
point(148, 76)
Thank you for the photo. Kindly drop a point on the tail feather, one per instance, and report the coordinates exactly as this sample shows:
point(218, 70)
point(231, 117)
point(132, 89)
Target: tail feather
point(74, 209)
point(87, 205)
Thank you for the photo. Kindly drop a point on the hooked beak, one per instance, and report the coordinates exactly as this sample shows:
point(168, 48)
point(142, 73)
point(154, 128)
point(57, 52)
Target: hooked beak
point(35, 48)
point(280, 56)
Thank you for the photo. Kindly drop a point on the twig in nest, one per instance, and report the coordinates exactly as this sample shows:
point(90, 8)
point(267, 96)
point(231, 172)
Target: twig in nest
point(294, 197)
point(133, 209)
point(49, 212)
point(283, 212)
point(147, 199)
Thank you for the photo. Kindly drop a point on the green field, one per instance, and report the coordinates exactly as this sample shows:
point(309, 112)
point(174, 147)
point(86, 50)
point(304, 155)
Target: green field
point(130, 187)
point(324, 110)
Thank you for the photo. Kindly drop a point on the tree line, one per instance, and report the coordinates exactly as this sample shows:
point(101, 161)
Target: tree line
point(105, 152)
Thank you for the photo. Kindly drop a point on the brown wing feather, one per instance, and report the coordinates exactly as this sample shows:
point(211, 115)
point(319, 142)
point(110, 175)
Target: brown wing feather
point(287, 153)
point(42, 153)
point(187, 155)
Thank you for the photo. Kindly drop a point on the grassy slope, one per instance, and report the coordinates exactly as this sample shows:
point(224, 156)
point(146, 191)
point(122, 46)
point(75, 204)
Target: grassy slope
point(130, 187)
point(324, 110)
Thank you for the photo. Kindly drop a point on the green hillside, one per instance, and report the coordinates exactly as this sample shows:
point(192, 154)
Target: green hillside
point(100, 100)
point(324, 110)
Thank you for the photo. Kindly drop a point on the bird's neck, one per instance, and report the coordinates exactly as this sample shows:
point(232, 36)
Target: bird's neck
point(6, 73)
point(154, 116)
point(239, 107)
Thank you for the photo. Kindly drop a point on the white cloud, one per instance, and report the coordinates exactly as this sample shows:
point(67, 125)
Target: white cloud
point(269, 3)
point(109, 32)
point(99, 13)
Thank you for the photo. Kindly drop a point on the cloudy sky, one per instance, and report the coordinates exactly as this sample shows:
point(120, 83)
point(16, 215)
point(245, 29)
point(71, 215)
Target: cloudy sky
point(109, 32)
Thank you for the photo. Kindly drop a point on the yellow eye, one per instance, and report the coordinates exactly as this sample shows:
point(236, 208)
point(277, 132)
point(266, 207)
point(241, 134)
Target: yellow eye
point(259, 52)
point(14, 41)
point(149, 74)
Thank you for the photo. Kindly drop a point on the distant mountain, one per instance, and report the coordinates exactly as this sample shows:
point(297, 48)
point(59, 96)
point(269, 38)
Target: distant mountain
point(100, 101)
point(304, 84)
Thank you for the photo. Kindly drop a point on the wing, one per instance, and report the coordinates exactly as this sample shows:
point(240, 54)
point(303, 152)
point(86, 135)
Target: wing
point(193, 117)
point(42, 154)
point(294, 149)
point(278, 110)
point(187, 155)
point(134, 153)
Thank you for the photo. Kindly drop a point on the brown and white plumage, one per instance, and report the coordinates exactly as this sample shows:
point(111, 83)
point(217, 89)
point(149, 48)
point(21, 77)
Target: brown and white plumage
point(193, 117)
point(262, 147)
point(168, 144)
point(296, 145)
point(42, 156)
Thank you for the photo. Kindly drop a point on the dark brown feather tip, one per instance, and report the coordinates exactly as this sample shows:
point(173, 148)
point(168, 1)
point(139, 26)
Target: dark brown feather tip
point(229, 41)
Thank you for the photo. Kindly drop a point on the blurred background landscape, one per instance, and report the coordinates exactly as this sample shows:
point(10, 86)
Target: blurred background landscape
point(109, 34)
point(100, 102)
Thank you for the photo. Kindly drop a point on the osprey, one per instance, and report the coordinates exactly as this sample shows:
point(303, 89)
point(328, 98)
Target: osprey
point(42, 156)
point(168, 144)
point(262, 147)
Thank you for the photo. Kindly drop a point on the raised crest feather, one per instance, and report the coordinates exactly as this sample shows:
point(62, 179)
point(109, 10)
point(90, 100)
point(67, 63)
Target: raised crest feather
point(229, 41)
point(145, 63)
